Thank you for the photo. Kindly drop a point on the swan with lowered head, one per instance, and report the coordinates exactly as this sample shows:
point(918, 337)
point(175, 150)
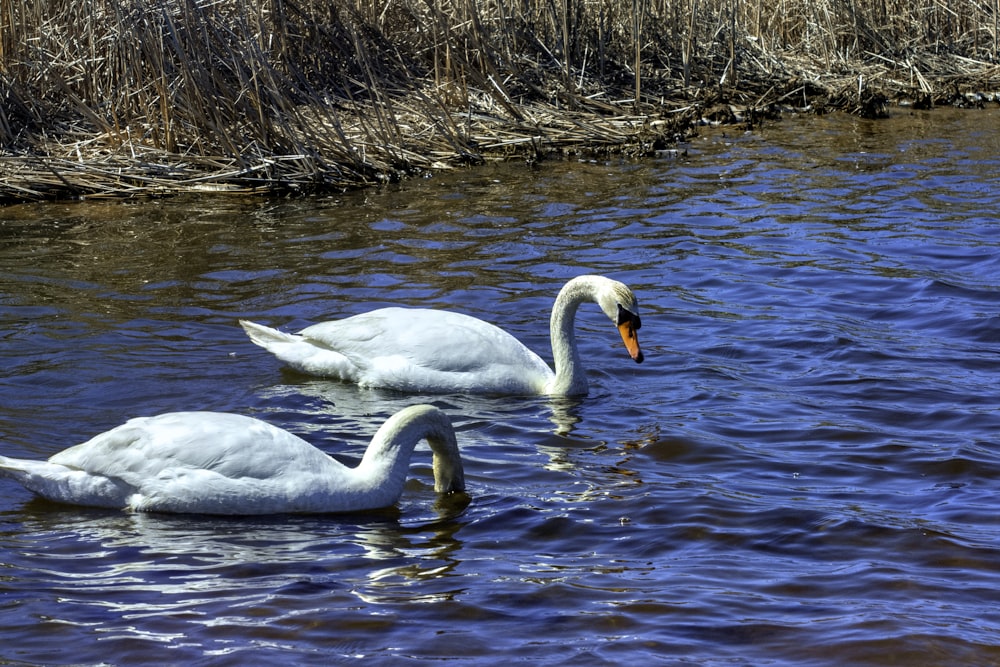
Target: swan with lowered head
point(433, 351)
point(220, 463)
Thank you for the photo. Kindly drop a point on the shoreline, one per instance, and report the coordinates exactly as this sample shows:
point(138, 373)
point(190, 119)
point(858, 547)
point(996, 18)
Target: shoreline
point(370, 99)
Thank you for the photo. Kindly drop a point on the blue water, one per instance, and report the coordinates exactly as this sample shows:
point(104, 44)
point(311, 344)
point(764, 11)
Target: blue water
point(804, 471)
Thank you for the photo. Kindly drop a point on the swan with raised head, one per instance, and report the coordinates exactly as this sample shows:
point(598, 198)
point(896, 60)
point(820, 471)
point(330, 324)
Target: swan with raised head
point(433, 351)
point(221, 463)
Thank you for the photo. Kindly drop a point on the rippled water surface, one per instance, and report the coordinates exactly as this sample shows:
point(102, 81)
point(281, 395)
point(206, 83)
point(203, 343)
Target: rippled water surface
point(804, 471)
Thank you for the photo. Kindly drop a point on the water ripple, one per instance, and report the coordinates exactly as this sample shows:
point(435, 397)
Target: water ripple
point(802, 472)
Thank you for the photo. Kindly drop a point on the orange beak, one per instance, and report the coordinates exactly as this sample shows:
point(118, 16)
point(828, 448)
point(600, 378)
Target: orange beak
point(631, 339)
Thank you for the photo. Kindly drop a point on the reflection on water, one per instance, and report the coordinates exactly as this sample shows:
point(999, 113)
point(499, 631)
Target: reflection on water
point(802, 472)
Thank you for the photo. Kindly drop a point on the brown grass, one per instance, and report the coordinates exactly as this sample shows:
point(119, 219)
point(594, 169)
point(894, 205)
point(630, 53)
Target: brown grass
point(129, 97)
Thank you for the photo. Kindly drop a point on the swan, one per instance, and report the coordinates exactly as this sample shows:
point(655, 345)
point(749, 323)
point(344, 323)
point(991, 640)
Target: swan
point(221, 463)
point(433, 351)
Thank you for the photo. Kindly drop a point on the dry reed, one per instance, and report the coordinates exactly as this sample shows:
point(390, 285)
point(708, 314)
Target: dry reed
point(111, 98)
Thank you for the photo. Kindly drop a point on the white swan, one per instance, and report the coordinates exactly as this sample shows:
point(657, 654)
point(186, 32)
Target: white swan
point(436, 351)
point(219, 463)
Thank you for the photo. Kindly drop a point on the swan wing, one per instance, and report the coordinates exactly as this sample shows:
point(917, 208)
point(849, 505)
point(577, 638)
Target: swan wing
point(432, 351)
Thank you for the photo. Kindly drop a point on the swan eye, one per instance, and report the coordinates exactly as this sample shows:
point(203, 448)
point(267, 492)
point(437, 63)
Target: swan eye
point(625, 315)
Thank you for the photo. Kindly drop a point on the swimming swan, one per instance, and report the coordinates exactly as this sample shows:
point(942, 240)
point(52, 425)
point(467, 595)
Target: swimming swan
point(219, 463)
point(435, 351)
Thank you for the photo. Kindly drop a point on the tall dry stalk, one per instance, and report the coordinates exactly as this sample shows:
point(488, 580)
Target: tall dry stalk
point(638, 10)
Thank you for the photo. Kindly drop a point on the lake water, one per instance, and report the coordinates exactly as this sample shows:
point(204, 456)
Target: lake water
point(804, 471)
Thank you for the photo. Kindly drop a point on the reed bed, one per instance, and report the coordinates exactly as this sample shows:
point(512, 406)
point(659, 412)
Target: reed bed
point(114, 98)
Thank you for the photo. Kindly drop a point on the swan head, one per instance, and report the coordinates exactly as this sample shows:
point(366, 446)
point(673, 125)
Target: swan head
point(620, 305)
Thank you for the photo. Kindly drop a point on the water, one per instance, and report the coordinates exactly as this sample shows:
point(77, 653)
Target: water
point(803, 472)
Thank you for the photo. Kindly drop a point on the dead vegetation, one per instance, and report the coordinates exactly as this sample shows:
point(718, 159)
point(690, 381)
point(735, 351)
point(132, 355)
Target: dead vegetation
point(113, 98)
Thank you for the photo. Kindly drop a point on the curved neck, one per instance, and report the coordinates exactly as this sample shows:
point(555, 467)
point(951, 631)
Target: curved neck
point(383, 469)
point(570, 376)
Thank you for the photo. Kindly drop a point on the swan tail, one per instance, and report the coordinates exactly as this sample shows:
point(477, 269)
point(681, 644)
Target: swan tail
point(301, 353)
point(62, 484)
point(266, 336)
point(18, 469)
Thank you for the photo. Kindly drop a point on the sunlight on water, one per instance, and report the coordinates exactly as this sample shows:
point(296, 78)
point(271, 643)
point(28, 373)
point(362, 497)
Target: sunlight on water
point(803, 471)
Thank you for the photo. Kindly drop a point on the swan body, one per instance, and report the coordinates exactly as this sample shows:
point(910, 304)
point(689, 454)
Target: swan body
point(220, 463)
point(433, 351)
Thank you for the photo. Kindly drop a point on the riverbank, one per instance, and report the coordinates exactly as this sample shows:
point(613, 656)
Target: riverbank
point(267, 96)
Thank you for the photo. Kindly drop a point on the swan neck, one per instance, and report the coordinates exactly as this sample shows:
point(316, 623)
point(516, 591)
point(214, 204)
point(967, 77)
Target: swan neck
point(387, 460)
point(570, 376)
